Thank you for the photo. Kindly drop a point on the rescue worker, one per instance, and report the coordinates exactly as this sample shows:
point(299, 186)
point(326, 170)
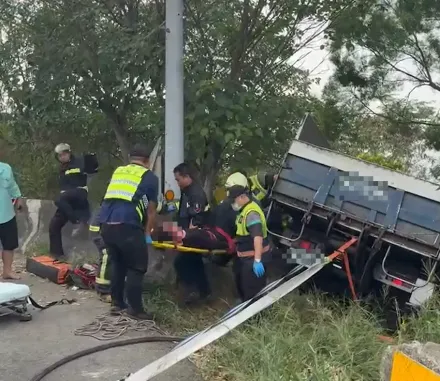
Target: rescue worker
point(217, 234)
point(72, 203)
point(259, 184)
point(127, 218)
point(253, 249)
point(193, 212)
point(103, 277)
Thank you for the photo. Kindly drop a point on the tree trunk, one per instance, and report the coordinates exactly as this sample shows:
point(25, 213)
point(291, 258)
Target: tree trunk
point(210, 167)
point(119, 125)
point(123, 139)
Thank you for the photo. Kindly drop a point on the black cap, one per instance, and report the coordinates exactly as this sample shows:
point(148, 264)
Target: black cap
point(140, 150)
point(236, 190)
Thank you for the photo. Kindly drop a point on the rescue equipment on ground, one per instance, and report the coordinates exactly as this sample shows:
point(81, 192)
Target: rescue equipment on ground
point(49, 268)
point(84, 276)
point(15, 298)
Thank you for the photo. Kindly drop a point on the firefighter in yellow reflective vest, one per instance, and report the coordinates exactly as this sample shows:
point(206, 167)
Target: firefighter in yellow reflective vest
point(103, 276)
point(127, 218)
point(253, 249)
point(259, 184)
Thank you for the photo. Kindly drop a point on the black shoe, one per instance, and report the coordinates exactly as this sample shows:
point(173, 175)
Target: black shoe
point(191, 299)
point(143, 315)
point(116, 310)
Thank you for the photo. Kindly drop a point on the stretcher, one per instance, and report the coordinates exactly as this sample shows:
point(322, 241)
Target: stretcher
point(14, 300)
point(185, 249)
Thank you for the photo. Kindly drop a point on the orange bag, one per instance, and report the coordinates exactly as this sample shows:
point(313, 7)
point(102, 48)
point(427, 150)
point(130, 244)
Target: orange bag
point(49, 268)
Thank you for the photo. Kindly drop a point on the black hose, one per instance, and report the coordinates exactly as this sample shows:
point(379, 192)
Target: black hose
point(85, 352)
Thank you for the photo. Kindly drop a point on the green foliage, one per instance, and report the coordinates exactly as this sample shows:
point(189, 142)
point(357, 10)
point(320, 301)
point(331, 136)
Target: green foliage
point(387, 162)
point(88, 72)
point(385, 52)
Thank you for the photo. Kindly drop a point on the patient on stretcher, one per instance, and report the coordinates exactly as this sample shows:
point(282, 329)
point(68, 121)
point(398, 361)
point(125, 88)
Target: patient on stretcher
point(217, 235)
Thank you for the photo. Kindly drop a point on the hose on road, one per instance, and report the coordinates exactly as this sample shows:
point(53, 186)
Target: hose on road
point(85, 352)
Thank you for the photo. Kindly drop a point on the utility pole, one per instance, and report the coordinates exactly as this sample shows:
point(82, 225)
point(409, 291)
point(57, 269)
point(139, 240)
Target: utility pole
point(174, 139)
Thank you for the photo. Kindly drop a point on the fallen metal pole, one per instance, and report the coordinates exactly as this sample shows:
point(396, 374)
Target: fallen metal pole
point(183, 351)
point(220, 329)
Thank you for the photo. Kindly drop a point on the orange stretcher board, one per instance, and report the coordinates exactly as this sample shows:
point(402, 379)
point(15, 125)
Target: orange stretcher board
point(185, 249)
point(406, 369)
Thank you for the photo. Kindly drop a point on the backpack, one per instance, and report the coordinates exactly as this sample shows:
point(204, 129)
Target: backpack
point(84, 276)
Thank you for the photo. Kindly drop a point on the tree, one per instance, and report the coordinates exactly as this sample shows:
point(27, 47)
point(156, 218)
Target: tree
point(245, 97)
point(382, 47)
point(81, 56)
point(382, 160)
point(94, 69)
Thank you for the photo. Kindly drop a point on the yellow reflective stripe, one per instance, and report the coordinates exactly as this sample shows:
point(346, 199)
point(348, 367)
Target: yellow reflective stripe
point(102, 281)
point(256, 188)
point(159, 206)
point(241, 219)
point(94, 228)
point(101, 278)
point(140, 211)
point(72, 171)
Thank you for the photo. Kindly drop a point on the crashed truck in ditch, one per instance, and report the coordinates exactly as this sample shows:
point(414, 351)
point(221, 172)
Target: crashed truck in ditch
point(330, 198)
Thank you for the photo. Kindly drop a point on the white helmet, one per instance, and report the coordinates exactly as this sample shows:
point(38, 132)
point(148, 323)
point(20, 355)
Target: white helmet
point(62, 147)
point(236, 178)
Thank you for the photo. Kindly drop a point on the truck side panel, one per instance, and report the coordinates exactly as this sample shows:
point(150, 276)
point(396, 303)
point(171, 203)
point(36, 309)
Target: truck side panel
point(410, 220)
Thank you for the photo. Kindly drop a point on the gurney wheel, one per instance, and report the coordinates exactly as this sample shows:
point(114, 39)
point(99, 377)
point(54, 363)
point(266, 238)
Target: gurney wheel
point(25, 317)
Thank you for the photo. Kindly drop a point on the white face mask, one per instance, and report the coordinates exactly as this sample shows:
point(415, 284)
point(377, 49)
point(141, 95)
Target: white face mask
point(235, 206)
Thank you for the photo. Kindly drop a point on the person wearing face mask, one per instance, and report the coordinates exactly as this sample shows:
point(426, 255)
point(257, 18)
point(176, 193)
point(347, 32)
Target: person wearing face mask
point(253, 249)
point(259, 185)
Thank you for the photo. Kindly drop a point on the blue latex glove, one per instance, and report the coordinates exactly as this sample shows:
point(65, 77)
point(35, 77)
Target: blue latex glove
point(258, 269)
point(148, 240)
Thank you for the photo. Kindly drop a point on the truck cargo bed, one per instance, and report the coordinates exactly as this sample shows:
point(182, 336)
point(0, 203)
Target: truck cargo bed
point(404, 210)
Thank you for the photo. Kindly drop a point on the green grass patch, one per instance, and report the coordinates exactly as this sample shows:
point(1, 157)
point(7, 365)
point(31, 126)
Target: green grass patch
point(300, 338)
point(177, 319)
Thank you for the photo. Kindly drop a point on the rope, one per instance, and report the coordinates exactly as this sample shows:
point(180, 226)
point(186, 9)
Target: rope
point(108, 327)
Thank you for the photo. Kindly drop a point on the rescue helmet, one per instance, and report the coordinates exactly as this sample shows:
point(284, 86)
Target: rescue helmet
point(236, 178)
point(62, 147)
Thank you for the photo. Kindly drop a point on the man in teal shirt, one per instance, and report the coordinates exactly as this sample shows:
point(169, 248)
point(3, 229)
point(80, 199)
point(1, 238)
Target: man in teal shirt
point(9, 191)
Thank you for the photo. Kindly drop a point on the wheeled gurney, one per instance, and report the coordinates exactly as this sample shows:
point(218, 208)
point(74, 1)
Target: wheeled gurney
point(14, 300)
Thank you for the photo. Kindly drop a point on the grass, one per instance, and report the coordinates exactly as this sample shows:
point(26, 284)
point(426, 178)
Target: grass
point(301, 338)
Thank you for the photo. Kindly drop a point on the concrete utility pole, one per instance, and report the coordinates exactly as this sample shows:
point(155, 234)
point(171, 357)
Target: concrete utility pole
point(174, 140)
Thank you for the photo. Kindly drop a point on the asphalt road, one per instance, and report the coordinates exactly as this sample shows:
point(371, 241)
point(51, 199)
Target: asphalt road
point(28, 347)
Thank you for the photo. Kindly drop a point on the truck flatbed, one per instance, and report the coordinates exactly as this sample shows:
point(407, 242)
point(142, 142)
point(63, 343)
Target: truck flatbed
point(401, 209)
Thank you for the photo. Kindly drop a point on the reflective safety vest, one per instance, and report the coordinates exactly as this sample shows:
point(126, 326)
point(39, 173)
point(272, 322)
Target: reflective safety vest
point(244, 241)
point(256, 188)
point(124, 184)
point(94, 228)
